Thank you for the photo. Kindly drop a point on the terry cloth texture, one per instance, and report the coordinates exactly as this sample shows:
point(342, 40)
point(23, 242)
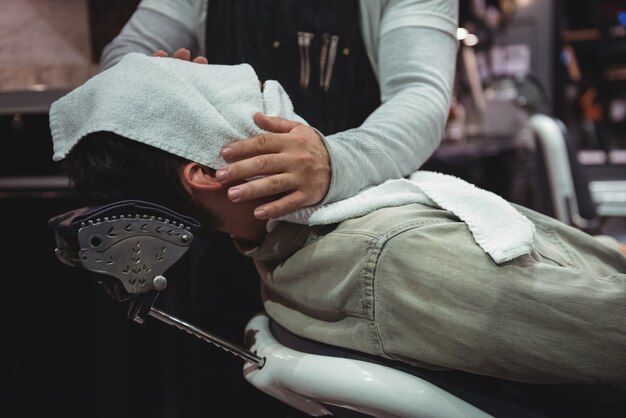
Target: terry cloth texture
point(497, 227)
point(188, 109)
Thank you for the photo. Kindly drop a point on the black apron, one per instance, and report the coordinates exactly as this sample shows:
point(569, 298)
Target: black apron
point(264, 34)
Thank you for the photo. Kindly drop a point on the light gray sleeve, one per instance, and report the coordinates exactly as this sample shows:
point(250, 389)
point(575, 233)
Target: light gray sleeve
point(158, 24)
point(416, 70)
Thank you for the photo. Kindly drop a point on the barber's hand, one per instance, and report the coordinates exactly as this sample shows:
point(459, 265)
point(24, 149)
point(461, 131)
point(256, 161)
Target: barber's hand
point(181, 54)
point(293, 159)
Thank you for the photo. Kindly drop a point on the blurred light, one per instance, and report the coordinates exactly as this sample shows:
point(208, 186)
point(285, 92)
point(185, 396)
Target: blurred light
point(617, 31)
point(471, 40)
point(621, 16)
point(524, 3)
point(461, 33)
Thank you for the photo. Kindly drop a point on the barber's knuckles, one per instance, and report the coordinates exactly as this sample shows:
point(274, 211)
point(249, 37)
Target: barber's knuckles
point(268, 186)
point(264, 143)
point(247, 148)
point(255, 166)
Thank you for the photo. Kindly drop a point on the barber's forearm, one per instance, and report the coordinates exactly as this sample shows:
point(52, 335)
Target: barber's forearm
point(416, 70)
point(148, 31)
point(372, 154)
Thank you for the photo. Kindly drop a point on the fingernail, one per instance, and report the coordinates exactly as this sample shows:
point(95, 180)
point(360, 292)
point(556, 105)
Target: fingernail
point(221, 175)
point(260, 213)
point(234, 194)
point(227, 152)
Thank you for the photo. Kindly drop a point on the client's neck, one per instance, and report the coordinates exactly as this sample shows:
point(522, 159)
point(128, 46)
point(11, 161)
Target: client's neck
point(237, 219)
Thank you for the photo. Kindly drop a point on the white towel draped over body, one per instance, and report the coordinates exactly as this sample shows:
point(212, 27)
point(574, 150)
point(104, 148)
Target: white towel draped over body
point(497, 227)
point(193, 110)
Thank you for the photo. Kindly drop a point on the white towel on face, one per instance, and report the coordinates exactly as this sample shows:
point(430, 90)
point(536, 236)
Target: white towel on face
point(187, 109)
point(497, 227)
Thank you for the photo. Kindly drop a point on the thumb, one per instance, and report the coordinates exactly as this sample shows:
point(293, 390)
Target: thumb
point(275, 124)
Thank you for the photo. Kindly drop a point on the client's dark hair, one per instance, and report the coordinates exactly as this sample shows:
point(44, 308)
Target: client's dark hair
point(106, 167)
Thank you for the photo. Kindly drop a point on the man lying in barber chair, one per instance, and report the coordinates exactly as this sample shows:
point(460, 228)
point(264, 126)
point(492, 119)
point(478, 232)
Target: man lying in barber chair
point(430, 271)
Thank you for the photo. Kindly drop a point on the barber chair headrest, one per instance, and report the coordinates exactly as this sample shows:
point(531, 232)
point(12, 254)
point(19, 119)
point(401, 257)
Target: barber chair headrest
point(131, 242)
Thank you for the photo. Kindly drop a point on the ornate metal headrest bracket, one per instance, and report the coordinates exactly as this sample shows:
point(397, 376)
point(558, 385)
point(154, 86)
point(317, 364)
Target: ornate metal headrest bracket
point(135, 249)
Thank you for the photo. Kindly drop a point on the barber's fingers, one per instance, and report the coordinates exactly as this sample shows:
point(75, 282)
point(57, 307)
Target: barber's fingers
point(282, 206)
point(267, 143)
point(260, 165)
point(264, 186)
point(300, 152)
point(274, 123)
point(182, 54)
point(200, 60)
point(294, 185)
point(277, 185)
point(257, 145)
point(299, 137)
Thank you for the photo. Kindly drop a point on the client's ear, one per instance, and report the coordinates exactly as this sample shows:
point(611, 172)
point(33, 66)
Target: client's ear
point(199, 177)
